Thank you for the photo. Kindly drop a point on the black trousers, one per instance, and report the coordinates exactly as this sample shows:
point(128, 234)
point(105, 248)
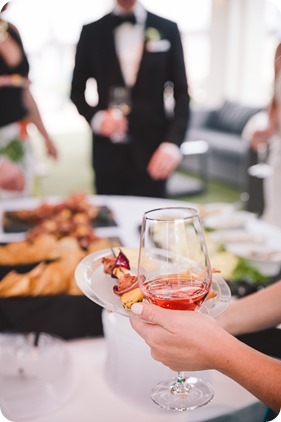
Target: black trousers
point(120, 171)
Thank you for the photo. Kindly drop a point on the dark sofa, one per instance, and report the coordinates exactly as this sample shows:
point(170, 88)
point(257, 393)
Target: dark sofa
point(229, 154)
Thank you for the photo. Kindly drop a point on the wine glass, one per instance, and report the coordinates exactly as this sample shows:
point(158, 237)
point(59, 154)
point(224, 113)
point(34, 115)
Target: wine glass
point(120, 104)
point(174, 272)
point(261, 169)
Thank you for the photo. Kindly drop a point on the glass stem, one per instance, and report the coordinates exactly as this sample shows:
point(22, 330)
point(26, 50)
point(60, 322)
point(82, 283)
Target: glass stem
point(181, 387)
point(181, 378)
point(262, 153)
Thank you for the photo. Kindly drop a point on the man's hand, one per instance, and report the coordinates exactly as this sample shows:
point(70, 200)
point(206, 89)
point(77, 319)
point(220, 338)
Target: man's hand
point(164, 161)
point(109, 123)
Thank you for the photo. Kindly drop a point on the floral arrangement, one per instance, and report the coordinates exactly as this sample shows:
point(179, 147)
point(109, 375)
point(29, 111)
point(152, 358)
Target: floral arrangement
point(152, 34)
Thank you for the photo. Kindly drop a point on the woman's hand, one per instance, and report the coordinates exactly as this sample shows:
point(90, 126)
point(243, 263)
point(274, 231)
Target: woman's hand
point(181, 340)
point(190, 341)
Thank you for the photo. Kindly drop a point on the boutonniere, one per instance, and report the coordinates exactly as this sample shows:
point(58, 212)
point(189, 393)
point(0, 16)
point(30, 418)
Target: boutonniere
point(152, 34)
point(154, 42)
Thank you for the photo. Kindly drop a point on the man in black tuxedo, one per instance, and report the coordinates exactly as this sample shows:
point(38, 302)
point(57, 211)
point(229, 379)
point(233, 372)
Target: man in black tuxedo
point(136, 49)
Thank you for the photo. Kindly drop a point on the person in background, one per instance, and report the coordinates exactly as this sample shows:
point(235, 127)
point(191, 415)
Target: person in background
point(191, 341)
point(271, 135)
point(18, 109)
point(131, 49)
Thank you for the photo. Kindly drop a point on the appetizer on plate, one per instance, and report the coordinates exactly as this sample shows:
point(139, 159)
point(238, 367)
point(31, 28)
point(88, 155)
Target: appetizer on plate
point(127, 282)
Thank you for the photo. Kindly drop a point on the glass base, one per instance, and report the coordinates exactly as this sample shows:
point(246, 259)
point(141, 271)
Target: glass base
point(260, 171)
point(120, 138)
point(189, 395)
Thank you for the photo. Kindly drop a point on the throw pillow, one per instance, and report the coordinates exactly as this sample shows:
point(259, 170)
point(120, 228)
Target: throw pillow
point(231, 117)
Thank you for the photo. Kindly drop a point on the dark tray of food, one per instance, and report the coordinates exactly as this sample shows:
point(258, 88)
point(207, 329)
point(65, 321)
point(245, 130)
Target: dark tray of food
point(13, 224)
point(22, 221)
point(67, 316)
point(42, 295)
point(67, 214)
point(60, 222)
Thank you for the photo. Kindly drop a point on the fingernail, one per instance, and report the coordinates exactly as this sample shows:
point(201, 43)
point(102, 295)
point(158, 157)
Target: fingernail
point(137, 308)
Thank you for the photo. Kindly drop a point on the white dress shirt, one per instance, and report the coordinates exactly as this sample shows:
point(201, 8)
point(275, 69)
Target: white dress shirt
point(129, 46)
point(129, 43)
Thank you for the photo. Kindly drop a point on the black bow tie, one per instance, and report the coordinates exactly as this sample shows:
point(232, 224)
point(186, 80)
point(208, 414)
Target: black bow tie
point(119, 19)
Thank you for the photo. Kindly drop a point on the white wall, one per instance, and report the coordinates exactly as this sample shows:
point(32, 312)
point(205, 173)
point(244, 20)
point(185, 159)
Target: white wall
point(236, 60)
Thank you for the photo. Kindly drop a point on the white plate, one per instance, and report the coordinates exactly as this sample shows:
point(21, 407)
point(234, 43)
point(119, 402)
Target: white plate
point(265, 258)
point(98, 286)
point(236, 236)
point(231, 220)
point(215, 209)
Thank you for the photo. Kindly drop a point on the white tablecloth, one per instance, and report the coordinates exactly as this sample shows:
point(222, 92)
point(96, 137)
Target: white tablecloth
point(94, 399)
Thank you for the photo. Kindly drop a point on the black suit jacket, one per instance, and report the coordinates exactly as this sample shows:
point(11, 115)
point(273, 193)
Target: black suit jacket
point(149, 124)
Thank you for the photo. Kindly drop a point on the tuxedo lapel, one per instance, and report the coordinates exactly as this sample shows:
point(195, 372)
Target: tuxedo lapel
point(110, 54)
point(145, 56)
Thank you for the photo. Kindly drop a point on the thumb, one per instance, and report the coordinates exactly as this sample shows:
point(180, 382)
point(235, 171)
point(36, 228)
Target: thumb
point(150, 313)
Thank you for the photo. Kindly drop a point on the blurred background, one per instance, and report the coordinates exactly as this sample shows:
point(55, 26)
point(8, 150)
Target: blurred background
point(229, 48)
